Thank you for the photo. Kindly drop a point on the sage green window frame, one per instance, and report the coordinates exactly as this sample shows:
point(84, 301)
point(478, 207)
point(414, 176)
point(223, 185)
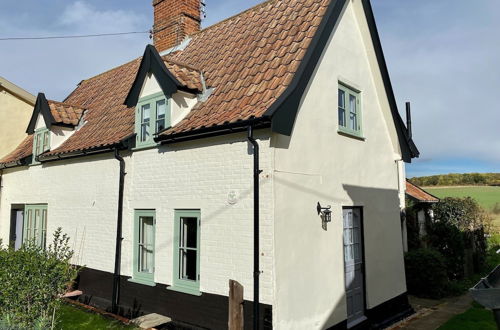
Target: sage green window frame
point(41, 143)
point(182, 285)
point(35, 224)
point(152, 101)
point(347, 128)
point(138, 276)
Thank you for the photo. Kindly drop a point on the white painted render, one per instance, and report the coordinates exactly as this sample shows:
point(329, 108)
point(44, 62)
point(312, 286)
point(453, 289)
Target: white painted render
point(182, 102)
point(82, 197)
point(58, 134)
point(317, 164)
point(40, 122)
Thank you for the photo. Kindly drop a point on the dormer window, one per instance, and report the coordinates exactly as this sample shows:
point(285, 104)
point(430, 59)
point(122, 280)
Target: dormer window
point(41, 143)
point(152, 116)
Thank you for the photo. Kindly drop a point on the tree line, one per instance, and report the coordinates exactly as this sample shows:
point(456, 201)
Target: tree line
point(455, 179)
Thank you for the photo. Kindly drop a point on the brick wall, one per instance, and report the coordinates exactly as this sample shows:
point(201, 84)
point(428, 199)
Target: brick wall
point(174, 20)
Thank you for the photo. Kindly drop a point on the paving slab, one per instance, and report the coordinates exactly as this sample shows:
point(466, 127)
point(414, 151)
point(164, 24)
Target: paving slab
point(151, 320)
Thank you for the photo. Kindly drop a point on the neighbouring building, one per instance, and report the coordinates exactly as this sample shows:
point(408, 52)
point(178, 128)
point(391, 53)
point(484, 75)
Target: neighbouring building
point(150, 168)
point(418, 212)
point(16, 107)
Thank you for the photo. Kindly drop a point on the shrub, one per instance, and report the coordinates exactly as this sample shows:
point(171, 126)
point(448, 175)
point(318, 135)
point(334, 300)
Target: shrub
point(446, 239)
point(426, 273)
point(465, 213)
point(32, 281)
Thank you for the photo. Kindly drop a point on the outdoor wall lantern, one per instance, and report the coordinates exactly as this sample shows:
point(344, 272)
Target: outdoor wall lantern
point(326, 212)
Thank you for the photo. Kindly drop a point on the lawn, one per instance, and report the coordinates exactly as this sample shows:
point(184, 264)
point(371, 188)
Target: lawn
point(475, 318)
point(72, 317)
point(488, 197)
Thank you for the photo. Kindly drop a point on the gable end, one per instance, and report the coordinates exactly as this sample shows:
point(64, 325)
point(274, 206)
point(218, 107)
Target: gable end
point(284, 111)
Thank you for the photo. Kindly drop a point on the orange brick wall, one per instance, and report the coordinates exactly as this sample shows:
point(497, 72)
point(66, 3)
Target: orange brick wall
point(173, 21)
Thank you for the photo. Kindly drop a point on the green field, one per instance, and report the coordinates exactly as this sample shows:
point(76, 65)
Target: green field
point(488, 197)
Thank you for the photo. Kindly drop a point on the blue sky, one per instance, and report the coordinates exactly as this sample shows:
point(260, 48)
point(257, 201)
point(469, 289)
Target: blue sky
point(443, 56)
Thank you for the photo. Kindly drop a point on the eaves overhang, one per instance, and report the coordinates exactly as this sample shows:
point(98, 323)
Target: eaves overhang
point(218, 130)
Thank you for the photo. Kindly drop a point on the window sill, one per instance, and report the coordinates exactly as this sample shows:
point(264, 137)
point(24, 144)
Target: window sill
point(146, 146)
point(351, 134)
point(193, 292)
point(143, 282)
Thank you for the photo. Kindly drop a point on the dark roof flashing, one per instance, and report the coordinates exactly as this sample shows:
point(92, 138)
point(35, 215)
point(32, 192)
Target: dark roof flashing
point(152, 63)
point(41, 107)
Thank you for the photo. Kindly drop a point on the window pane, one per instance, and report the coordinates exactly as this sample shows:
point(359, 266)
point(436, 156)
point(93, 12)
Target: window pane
point(342, 108)
point(341, 99)
point(145, 122)
point(45, 141)
point(146, 245)
point(354, 122)
point(353, 113)
point(189, 232)
point(352, 103)
point(187, 261)
point(161, 110)
point(37, 144)
point(342, 117)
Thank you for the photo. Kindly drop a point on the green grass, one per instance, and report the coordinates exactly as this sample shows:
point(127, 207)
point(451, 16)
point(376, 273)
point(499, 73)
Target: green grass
point(71, 317)
point(486, 196)
point(475, 318)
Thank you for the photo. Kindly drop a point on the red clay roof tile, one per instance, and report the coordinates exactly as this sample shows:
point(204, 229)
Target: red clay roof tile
point(419, 194)
point(24, 150)
point(249, 60)
point(65, 113)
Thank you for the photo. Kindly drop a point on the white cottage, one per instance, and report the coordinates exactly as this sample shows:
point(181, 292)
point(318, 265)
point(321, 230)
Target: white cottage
point(150, 168)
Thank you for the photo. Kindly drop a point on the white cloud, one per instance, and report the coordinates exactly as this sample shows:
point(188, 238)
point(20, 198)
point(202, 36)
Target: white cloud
point(82, 16)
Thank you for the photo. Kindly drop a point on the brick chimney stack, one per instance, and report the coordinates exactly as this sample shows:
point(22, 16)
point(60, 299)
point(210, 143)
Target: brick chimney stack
point(174, 20)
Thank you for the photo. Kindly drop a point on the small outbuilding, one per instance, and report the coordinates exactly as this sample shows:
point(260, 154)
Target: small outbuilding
point(418, 210)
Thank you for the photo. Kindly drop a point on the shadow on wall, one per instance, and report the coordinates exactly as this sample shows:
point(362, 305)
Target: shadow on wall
point(378, 198)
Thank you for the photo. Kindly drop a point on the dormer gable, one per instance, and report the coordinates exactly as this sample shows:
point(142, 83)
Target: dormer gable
point(163, 93)
point(41, 111)
point(170, 81)
point(51, 124)
point(48, 113)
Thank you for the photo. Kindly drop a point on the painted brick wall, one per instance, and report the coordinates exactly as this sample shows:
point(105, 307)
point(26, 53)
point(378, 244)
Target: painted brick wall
point(82, 198)
point(201, 175)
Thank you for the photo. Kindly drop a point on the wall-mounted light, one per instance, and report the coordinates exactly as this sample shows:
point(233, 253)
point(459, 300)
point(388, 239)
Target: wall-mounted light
point(326, 212)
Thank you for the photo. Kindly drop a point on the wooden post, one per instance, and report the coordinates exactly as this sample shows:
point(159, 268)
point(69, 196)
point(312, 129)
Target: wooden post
point(235, 306)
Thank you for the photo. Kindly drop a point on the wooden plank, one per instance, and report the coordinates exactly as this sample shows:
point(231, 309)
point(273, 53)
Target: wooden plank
point(235, 306)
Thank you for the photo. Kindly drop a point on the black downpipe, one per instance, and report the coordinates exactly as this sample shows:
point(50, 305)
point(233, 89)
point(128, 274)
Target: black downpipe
point(115, 300)
point(408, 119)
point(256, 271)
